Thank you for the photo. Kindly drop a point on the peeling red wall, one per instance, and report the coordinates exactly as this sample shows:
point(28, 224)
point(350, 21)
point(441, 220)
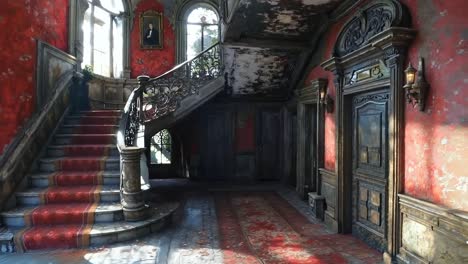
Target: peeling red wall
point(152, 62)
point(435, 140)
point(22, 23)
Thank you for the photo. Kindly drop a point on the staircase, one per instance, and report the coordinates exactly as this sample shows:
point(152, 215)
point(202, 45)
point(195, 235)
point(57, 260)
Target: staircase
point(86, 189)
point(74, 196)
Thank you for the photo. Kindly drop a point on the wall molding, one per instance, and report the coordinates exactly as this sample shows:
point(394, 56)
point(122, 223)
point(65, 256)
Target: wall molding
point(52, 64)
point(440, 233)
point(110, 93)
point(329, 182)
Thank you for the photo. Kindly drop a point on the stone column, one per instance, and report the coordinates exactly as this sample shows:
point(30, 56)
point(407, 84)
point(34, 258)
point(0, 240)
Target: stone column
point(134, 207)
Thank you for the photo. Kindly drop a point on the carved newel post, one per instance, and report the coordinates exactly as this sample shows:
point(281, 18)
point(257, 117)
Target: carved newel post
point(134, 207)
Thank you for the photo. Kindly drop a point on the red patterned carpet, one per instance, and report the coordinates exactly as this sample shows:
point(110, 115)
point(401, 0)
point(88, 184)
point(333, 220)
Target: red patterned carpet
point(86, 150)
point(264, 228)
point(75, 178)
point(65, 214)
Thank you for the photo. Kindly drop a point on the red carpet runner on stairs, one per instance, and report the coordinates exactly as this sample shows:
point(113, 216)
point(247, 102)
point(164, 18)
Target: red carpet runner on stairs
point(66, 212)
point(264, 228)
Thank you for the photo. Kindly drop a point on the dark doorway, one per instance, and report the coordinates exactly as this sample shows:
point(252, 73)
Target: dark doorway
point(216, 145)
point(306, 148)
point(367, 165)
point(310, 129)
point(268, 144)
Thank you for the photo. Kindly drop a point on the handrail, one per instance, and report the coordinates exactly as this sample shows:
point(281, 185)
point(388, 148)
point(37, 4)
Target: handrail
point(152, 99)
point(161, 95)
point(180, 65)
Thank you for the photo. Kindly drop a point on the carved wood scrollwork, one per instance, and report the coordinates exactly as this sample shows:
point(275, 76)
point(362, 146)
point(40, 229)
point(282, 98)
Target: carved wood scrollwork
point(370, 22)
point(369, 55)
point(372, 97)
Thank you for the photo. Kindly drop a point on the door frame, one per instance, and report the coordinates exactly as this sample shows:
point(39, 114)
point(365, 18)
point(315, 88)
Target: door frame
point(358, 50)
point(371, 90)
point(309, 95)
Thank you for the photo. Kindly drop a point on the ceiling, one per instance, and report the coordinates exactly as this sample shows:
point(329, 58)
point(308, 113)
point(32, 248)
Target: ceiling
point(266, 40)
point(273, 19)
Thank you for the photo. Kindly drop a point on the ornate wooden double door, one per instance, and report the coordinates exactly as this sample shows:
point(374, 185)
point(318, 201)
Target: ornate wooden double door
point(369, 151)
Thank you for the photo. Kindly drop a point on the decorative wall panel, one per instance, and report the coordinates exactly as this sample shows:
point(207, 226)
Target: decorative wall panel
point(52, 65)
point(431, 233)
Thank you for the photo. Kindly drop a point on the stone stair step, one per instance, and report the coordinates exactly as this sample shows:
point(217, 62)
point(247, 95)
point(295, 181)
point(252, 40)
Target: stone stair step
point(106, 233)
point(104, 213)
point(91, 120)
point(111, 178)
point(117, 113)
point(85, 139)
point(118, 231)
point(32, 197)
point(79, 164)
point(7, 244)
point(56, 151)
point(88, 129)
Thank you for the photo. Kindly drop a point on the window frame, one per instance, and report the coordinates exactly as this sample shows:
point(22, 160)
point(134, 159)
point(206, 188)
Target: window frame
point(181, 28)
point(112, 16)
point(162, 146)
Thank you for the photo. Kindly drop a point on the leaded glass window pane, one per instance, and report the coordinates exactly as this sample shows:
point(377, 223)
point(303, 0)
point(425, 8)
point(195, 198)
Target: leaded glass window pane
point(161, 147)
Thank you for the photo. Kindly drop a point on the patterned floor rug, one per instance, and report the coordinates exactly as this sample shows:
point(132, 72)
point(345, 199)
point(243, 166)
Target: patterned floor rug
point(261, 227)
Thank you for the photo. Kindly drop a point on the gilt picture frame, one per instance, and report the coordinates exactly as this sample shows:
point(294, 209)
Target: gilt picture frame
point(151, 28)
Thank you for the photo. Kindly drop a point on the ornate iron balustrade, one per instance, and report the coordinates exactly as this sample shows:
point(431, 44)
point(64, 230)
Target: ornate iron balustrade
point(131, 120)
point(162, 95)
point(152, 99)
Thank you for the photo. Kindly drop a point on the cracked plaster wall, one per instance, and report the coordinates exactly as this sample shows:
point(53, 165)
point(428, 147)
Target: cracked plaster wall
point(255, 70)
point(280, 17)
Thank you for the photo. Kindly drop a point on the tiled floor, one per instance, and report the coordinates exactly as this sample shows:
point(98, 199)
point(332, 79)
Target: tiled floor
point(194, 237)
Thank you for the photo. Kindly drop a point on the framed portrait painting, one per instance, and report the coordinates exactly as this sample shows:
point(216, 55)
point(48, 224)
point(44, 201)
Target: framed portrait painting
point(151, 27)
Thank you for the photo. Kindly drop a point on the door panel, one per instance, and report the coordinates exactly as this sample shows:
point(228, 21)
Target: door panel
point(216, 146)
point(268, 142)
point(370, 162)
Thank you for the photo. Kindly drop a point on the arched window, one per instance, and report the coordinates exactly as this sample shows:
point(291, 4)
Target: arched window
point(103, 37)
point(199, 29)
point(161, 148)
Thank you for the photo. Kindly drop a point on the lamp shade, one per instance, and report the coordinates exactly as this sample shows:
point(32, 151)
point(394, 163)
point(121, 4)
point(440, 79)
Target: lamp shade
point(410, 73)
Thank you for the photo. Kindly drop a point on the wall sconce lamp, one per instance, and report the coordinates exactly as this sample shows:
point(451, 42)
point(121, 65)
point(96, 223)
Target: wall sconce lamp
point(326, 100)
point(416, 86)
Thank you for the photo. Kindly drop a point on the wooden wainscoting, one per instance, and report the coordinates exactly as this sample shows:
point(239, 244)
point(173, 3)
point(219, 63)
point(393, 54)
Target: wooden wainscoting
point(329, 191)
point(432, 233)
